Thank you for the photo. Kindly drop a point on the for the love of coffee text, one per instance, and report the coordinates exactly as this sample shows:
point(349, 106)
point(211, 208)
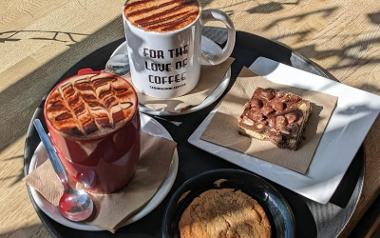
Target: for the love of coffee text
point(177, 66)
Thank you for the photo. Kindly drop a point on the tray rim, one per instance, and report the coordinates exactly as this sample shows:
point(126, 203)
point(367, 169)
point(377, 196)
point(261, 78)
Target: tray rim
point(48, 222)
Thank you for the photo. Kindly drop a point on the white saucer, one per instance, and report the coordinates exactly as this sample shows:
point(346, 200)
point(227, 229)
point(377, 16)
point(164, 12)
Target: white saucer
point(119, 59)
point(149, 125)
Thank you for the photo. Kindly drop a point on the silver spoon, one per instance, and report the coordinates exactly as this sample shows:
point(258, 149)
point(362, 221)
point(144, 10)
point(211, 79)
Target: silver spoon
point(75, 205)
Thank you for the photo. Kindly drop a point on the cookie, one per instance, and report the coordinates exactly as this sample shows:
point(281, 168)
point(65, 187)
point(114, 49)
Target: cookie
point(224, 213)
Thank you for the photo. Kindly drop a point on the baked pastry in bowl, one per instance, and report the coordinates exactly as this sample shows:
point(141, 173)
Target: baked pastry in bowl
point(224, 212)
point(227, 203)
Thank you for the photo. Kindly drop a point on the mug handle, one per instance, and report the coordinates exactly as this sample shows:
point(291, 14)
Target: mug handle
point(218, 15)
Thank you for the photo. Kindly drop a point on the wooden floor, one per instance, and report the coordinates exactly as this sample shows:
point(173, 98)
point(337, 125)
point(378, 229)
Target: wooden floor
point(41, 39)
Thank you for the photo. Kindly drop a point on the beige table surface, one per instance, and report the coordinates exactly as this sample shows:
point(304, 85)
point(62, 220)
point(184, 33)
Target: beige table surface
point(41, 39)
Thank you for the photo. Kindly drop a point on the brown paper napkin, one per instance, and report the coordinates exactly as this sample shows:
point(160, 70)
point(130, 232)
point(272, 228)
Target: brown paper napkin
point(113, 210)
point(211, 77)
point(229, 110)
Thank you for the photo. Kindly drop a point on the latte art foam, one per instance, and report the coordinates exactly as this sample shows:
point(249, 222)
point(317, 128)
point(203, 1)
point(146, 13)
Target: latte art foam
point(161, 15)
point(91, 105)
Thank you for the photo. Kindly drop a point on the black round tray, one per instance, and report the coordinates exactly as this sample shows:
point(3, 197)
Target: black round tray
point(312, 219)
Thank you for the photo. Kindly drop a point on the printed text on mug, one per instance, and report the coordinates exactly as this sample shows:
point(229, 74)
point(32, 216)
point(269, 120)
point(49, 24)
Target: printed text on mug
point(152, 64)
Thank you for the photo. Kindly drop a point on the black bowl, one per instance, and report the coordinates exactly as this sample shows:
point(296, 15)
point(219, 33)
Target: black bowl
point(277, 209)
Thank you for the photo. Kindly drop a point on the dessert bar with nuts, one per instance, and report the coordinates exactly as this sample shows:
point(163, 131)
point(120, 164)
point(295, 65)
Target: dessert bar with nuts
point(275, 115)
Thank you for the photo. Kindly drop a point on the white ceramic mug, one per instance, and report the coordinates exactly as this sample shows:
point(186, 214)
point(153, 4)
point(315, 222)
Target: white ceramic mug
point(168, 64)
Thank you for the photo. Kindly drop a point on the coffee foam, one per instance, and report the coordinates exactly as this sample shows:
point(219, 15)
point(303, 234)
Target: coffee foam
point(91, 105)
point(161, 15)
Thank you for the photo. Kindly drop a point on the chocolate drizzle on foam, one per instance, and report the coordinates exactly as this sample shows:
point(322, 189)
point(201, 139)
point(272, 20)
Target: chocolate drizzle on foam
point(161, 15)
point(90, 105)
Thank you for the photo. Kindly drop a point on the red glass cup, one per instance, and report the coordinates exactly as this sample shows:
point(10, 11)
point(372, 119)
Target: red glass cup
point(103, 164)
